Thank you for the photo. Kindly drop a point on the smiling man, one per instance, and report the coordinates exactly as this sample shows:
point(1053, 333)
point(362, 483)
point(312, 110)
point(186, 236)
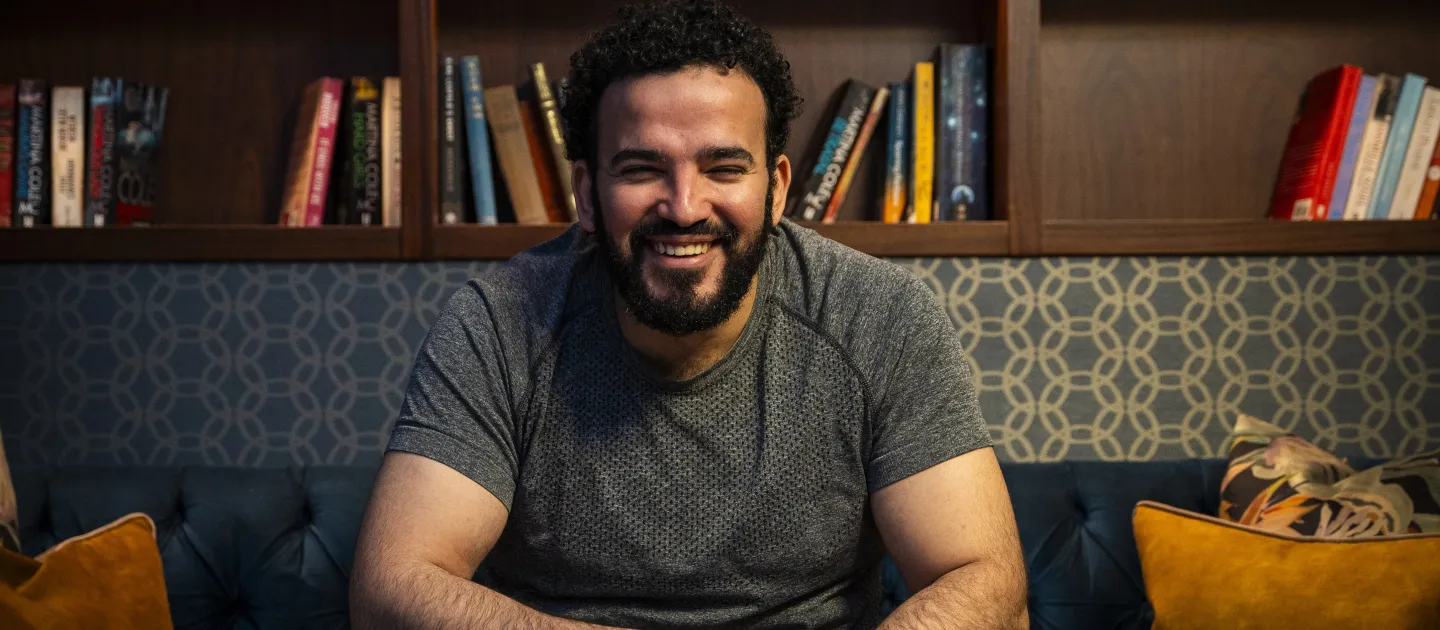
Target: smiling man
point(687, 411)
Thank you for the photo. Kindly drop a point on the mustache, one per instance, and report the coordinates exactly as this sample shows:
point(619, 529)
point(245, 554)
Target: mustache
point(665, 227)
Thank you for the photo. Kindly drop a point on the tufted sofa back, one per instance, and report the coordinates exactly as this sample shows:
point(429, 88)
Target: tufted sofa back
point(272, 547)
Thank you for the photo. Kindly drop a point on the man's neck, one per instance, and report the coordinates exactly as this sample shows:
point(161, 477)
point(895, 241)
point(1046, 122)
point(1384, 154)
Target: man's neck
point(684, 358)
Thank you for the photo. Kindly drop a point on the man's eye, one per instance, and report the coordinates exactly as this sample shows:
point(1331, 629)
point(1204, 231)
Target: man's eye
point(729, 171)
point(631, 171)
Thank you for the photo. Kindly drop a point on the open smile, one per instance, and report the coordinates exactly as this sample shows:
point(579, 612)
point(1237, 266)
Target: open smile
point(681, 253)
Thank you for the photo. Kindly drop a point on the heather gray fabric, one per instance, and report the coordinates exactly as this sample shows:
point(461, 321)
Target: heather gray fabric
point(738, 498)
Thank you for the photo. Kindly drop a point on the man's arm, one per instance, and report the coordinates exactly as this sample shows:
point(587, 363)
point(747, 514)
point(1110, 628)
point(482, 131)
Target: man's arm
point(425, 531)
point(951, 531)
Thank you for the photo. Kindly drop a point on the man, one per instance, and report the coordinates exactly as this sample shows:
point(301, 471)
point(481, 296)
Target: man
point(686, 411)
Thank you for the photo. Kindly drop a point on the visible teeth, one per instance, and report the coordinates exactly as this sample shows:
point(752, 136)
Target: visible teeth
point(683, 250)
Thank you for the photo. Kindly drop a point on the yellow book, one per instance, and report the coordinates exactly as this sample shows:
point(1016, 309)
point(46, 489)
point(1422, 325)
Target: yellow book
point(922, 176)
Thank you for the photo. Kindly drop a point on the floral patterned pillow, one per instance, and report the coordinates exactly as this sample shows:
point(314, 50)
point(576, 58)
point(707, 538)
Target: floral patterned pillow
point(1279, 482)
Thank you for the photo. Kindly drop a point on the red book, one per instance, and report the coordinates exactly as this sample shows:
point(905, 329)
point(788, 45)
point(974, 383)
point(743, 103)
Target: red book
point(7, 153)
point(1312, 151)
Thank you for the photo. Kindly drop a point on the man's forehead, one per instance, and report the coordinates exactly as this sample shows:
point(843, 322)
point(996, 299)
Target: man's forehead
point(692, 106)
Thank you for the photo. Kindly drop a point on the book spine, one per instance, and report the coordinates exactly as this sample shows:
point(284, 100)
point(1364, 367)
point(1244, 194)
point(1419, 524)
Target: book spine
point(1354, 140)
point(1431, 188)
point(922, 176)
point(7, 154)
point(1398, 140)
point(349, 149)
point(390, 157)
point(477, 132)
point(297, 174)
point(844, 129)
point(947, 128)
point(555, 133)
point(544, 174)
point(67, 111)
point(1312, 149)
point(857, 155)
point(326, 118)
point(503, 114)
point(140, 125)
point(896, 148)
point(368, 180)
point(100, 157)
point(452, 198)
point(969, 199)
point(32, 158)
point(1417, 156)
point(1372, 147)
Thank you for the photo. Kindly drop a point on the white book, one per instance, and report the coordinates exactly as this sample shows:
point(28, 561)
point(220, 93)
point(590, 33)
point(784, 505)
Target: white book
point(67, 160)
point(390, 202)
point(1417, 156)
point(1372, 149)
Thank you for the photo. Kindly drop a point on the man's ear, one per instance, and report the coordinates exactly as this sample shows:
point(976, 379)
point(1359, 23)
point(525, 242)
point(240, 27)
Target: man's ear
point(781, 182)
point(580, 183)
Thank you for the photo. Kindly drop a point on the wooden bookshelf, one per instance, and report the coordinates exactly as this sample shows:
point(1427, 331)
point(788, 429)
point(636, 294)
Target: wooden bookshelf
point(1118, 127)
point(200, 243)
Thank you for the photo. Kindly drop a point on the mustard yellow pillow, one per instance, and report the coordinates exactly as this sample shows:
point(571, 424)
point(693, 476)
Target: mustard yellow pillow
point(108, 578)
point(1204, 572)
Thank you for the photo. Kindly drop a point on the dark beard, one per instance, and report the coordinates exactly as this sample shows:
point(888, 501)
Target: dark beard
point(683, 313)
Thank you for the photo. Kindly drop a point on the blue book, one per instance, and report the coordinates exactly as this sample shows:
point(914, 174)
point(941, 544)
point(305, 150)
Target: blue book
point(1359, 117)
point(1395, 145)
point(481, 175)
point(897, 149)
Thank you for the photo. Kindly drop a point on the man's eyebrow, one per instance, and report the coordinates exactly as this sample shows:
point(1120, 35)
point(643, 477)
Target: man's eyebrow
point(718, 154)
point(642, 155)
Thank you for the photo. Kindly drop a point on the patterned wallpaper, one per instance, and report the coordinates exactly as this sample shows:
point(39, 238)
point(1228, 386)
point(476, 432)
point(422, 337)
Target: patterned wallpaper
point(1112, 358)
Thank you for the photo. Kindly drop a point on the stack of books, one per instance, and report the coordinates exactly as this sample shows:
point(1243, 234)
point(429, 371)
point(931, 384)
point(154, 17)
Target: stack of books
point(344, 162)
point(1362, 146)
point(80, 156)
point(936, 144)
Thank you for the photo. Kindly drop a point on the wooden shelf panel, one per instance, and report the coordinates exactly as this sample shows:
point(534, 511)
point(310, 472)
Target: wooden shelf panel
point(982, 238)
point(1239, 236)
point(208, 243)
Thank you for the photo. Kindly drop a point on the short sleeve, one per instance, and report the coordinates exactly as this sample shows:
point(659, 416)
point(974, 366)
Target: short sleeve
point(456, 409)
point(926, 410)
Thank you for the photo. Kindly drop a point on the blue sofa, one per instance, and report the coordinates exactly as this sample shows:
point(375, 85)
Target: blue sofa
point(271, 547)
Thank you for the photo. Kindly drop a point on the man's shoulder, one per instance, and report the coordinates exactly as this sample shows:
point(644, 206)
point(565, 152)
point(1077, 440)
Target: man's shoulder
point(836, 286)
point(531, 291)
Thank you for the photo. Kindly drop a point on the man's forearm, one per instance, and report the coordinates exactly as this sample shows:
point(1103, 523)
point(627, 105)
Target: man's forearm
point(425, 597)
point(978, 595)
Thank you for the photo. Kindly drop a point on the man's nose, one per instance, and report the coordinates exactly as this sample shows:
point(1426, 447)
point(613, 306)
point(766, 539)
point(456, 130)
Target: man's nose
point(684, 205)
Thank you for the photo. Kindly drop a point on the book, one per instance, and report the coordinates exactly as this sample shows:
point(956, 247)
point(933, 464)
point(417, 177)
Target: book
point(857, 154)
point(358, 155)
point(1372, 147)
point(390, 155)
point(100, 151)
point(844, 128)
point(477, 135)
point(961, 151)
point(545, 174)
point(7, 154)
point(1392, 162)
point(554, 132)
point(512, 148)
point(1417, 156)
point(139, 130)
point(1424, 209)
point(922, 165)
point(67, 116)
point(452, 196)
point(32, 154)
point(1354, 140)
point(897, 152)
point(1311, 158)
point(311, 153)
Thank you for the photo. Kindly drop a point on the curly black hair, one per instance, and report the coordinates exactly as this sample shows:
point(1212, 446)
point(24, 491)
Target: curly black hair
point(657, 37)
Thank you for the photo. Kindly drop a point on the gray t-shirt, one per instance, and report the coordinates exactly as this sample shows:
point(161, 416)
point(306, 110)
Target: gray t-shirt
point(737, 498)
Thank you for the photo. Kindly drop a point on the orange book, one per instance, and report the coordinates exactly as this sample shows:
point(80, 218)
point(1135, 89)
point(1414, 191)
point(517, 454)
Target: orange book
point(544, 168)
point(1431, 187)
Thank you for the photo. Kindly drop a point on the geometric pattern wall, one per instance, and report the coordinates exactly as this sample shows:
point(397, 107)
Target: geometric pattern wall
point(1110, 358)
